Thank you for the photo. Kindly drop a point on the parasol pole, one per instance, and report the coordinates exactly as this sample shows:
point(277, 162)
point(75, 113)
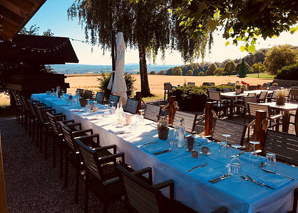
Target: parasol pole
point(113, 35)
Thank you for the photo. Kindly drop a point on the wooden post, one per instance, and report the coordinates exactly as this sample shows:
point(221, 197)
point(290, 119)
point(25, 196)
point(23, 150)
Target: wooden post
point(138, 97)
point(208, 119)
point(260, 134)
point(172, 109)
point(3, 208)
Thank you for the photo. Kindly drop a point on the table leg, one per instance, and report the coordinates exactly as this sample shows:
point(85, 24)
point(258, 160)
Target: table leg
point(231, 108)
point(285, 121)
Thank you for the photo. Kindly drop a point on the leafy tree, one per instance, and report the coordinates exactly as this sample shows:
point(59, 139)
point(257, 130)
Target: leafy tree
point(162, 72)
point(177, 71)
point(280, 56)
point(258, 68)
point(152, 73)
point(219, 71)
point(201, 73)
point(211, 69)
point(147, 25)
point(189, 72)
point(33, 30)
point(241, 21)
point(48, 32)
point(246, 65)
point(229, 67)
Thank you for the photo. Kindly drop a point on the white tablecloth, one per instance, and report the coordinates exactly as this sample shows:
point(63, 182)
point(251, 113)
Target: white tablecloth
point(191, 188)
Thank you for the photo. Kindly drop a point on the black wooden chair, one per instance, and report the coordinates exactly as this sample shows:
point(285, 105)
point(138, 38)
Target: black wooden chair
point(99, 97)
point(262, 97)
point(285, 147)
point(18, 106)
point(131, 106)
point(252, 94)
point(152, 112)
point(295, 123)
point(104, 185)
point(113, 98)
point(293, 96)
point(189, 120)
point(218, 103)
point(243, 106)
point(272, 97)
point(80, 91)
point(141, 195)
point(237, 132)
point(167, 88)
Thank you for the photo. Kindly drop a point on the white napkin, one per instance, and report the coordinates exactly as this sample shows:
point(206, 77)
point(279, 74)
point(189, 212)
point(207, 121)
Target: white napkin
point(76, 110)
point(273, 180)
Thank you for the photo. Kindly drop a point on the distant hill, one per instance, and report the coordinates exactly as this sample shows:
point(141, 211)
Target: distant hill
point(93, 69)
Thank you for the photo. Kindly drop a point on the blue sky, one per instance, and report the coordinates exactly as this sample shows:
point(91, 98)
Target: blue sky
point(53, 15)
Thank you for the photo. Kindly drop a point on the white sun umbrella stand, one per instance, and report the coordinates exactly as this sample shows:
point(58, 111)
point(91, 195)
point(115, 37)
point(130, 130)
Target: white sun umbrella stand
point(118, 86)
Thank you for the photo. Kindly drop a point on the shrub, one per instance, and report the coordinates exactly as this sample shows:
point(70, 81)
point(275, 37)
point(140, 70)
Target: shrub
point(189, 72)
point(177, 71)
point(201, 73)
point(218, 71)
point(288, 72)
point(104, 82)
point(193, 98)
point(152, 73)
point(162, 72)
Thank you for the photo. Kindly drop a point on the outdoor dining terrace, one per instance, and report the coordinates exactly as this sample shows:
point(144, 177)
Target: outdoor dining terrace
point(44, 145)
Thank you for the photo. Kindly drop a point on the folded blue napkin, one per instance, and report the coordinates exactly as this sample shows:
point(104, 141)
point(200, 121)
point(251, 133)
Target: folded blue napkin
point(273, 180)
point(207, 173)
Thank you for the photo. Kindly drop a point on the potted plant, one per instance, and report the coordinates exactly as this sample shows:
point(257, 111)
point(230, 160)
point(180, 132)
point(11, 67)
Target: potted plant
point(238, 88)
point(281, 97)
point(83, 100)
point(162, 127)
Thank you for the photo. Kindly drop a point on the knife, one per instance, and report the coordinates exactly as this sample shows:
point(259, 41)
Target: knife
point(222, 178)
point(145, 144)
point(258, 182)
point(211, 181)
point(278, 174)
point(161, 152)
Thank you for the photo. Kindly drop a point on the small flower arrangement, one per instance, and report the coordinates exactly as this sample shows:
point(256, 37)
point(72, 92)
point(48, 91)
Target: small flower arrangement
point(275, 84)
point(162, 123)
point(282, 93)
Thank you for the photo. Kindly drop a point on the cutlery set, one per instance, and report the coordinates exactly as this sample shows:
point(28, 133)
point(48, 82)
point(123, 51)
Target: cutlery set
point(161, 152)
point(223, 177)
point(255, 181)
point(145, 144)
point(270, 172)
point(201, 166)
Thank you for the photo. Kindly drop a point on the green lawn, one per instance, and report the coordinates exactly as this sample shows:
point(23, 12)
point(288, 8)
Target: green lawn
point(261, 75)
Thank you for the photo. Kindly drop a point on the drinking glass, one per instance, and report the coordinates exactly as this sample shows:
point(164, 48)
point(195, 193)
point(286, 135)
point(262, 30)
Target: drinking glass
point(222, 148)
point(113, 108)
point(254, 158)
point(107, 112)
point(141, 115)
point(236, 167)
point(173, 146)
point(270, 161)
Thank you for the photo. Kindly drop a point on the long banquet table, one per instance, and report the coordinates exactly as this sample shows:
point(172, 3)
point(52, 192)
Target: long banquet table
point(191, 188)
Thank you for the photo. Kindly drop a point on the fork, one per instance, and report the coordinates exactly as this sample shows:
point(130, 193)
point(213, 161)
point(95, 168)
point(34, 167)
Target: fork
point(201, 165)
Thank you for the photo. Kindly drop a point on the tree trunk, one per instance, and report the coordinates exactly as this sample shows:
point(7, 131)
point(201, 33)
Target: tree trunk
point(143, 72)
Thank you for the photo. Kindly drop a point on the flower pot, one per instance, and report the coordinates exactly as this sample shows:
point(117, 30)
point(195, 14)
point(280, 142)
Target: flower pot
point(163, 134)
point(280, 100)
point(83, 102)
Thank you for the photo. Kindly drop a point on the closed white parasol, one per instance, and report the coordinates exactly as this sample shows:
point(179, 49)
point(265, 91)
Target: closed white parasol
point(118, 86)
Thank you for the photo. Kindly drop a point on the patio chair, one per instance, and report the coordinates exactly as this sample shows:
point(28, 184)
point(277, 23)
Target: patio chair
point(167, 88)
point(237, 132)
point(189, 120)
point(80, 91)
point(152, 112)
point(141, 195)
point(113, 98)
point(218, 103)
point(18, 106)
point(244, 105)
point(272, 97)
point(293, 96)
point(262, 97)
point(191, 83)
point(99, 97)
point(131, 106)
point(253, 87)
point(227, 89)
point(105, 185)
point(72, 151)
point(252, 94)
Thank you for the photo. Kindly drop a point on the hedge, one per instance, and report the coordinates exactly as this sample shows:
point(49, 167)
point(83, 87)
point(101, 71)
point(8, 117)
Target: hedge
point(288, 72)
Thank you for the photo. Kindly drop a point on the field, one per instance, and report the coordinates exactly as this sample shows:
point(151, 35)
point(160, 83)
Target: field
point(156, 81)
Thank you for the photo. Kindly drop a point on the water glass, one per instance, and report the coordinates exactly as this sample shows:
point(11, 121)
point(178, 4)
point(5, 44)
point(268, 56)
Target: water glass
point(236, 170)
point(173, 146)
point(270, 161)
point(222, 148)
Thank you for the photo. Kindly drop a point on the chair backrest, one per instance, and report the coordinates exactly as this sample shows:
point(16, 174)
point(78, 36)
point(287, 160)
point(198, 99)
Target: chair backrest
point(141, 196)
point(53, 123)
point(250, 100)
point(25, 103)
point(191, 83)
point(189, 120)
point(43, 118)
point(17, 100)
point(284, 145)
point(152, 112)
point(226, 89)
point(214, 95)
point(90, 160)
point(113, 98)
point(237, 131)
point(293, 94)
point(253, 87)
point(131, 106)
point(80, 91)
point(68, 137)
point(99, 97)
point(211, 89)
point(33, 109)
point(252, 94)
point(167, 86)
point(263, 95)
point(274, 95)
point(253, 107)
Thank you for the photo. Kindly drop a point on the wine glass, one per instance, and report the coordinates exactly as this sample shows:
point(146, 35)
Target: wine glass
point(141, 115)
point(226, 136)
point(113, 109)
point(236, 168)
point(254, 158)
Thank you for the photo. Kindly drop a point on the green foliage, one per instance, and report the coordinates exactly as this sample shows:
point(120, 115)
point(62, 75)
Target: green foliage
point(201, 73)
point(258, 68)
point(33, 30)
point(280, 56)
point(177, 71)
point(193, 98)
point(162, 72)
point(229, 67)
point(48, 32)
point(105, 78)
point(288, 72)
point(246, 65)
point(189, 73)
point(219, 71)
point(152, 73)
point(211, 69)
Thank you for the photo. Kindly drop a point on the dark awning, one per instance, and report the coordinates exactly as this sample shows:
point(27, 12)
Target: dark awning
point(14, 15)
point(38, 49)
